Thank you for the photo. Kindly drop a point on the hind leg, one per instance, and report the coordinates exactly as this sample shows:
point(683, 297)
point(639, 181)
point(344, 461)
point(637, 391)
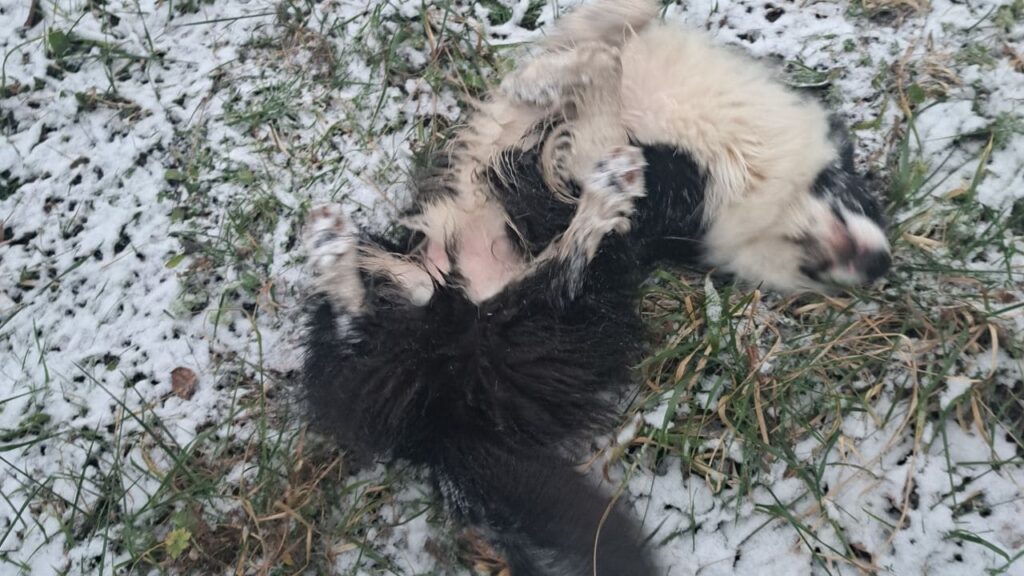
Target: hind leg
point(332, 246)
point(551, 78)
point(339, 260)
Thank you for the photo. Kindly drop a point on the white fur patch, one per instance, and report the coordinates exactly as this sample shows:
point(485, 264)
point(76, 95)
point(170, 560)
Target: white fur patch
point(865, 233)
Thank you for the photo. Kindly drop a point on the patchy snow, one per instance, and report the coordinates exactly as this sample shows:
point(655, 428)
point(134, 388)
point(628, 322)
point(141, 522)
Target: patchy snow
point(102, 215)
point(956, 386)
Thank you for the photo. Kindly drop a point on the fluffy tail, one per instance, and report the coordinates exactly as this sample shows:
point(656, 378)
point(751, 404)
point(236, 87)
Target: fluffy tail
point(546, 518)
point(605, 21)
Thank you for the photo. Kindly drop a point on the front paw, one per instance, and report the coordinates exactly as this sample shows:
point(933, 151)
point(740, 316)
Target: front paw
point(555, 76)
point(614, 185)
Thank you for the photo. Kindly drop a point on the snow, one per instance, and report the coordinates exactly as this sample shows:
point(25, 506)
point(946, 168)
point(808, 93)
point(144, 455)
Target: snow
point(93, 318)
point(956, 386)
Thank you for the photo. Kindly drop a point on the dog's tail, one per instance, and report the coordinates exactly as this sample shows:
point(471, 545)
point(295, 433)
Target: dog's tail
point(547, 518)
point(605, 21)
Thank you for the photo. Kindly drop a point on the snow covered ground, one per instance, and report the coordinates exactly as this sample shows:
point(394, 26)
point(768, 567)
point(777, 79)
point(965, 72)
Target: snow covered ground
point(156, 162)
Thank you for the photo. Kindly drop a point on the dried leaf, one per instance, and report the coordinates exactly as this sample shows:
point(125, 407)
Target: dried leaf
point(35, 14)
point(183, 382)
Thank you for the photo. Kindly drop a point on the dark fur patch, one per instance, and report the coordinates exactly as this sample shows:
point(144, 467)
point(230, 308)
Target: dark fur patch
point(537, 213)
point(489, 397)
point(537, 492)
point(849, 190)
point(669, 220)
point(524, 368)
point(841, 184)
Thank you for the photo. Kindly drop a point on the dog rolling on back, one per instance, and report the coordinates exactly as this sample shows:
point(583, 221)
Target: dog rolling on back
point(500, 342)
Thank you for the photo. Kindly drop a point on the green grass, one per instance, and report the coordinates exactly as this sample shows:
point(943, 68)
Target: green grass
point(253, 492)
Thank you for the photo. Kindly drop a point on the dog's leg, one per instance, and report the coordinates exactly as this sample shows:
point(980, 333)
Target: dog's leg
point(586, 82)
point(609, 21)
point(605, 206)
point(551, 78)
point(332, 244)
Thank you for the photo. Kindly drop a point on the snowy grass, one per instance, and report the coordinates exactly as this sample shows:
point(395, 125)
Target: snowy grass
point(156, 162)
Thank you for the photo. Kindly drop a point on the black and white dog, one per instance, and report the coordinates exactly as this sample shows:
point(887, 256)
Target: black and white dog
point(501, 341)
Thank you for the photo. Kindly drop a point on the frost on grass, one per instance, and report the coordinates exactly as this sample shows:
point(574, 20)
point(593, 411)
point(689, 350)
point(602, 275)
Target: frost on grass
point(156, 163)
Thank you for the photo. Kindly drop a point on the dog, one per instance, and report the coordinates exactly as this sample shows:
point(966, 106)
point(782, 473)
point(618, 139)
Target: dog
point(494, 346)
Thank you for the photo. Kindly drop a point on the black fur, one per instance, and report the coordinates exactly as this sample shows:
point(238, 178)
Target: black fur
point(668, 223)
point(538, 214)
point(846, 188)
point(536, 492)
point(669, 220)
point(492, 398)
point(841, 183)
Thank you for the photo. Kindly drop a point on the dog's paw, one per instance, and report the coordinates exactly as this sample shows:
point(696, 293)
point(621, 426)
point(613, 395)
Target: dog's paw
point(614, 185)
point(329, 236)
point(531, 90)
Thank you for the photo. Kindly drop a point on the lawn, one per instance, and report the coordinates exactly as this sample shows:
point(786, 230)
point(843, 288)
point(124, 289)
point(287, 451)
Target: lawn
point(157, 160)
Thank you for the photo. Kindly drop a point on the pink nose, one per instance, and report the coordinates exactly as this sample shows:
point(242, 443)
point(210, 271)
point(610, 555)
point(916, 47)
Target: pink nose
point(866, 258)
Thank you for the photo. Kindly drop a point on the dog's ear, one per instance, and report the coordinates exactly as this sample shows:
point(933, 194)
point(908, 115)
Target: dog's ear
point(839, 135)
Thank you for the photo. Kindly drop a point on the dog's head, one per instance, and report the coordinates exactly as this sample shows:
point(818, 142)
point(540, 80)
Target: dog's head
point(846, 246)
point(828, 235)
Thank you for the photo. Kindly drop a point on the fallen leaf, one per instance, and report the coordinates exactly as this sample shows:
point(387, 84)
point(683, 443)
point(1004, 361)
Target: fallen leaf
point(35, 15)
point(183, 382)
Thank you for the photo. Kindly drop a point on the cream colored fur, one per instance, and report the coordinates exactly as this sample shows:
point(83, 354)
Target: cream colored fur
point(627, 75)
point(761, 145)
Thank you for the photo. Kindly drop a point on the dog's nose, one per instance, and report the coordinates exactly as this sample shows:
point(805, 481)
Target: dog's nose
point(872, 264)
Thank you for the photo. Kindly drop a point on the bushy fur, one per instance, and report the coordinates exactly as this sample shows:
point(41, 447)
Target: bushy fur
point(495, 397)
point(500, 343)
